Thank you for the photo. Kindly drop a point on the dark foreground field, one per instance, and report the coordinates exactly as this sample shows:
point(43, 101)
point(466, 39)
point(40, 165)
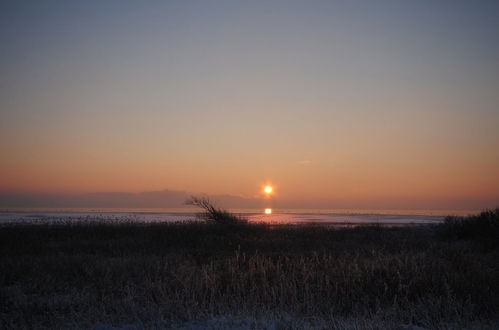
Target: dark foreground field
point(96, 275)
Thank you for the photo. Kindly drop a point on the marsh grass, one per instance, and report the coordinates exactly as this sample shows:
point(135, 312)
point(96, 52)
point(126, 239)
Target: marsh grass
point(210, 275)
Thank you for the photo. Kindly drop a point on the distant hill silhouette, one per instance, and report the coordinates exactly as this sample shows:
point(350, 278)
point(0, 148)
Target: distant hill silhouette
point(176, 199)
point(151, 199)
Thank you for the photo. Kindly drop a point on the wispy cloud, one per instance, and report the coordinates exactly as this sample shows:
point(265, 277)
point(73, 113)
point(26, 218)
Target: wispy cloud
point(304, 162)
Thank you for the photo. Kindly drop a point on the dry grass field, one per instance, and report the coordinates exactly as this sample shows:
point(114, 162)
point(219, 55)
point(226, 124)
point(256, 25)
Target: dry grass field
point(245, 276)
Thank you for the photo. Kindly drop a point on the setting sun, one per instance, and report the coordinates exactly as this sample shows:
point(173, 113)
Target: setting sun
point(268, 211)
point(268, 189)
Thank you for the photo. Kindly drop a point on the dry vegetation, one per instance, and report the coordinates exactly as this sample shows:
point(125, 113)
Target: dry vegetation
point(213, 214)
point(201, 275)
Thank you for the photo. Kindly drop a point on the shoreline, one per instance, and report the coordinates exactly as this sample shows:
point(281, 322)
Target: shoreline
point(275, 218)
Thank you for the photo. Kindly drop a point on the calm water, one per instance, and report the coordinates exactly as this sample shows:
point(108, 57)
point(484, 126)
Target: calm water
point(315, 216)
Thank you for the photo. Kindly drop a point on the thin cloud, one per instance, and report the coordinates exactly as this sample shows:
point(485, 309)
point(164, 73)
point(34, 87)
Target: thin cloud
point(304, 162)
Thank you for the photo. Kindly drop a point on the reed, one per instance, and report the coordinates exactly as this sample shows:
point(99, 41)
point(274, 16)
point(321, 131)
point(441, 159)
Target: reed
point(94, 274)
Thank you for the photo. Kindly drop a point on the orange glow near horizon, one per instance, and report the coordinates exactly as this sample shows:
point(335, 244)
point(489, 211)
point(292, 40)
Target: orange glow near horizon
point(199, 111)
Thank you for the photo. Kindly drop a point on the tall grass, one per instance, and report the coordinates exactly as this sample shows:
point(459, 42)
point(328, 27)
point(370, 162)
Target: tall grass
point(160, 275)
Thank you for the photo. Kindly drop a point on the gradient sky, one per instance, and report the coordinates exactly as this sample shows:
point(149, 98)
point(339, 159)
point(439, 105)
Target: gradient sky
point(364, 104)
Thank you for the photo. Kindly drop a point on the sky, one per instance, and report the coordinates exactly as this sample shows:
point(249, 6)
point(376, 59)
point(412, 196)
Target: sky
point(358, 104)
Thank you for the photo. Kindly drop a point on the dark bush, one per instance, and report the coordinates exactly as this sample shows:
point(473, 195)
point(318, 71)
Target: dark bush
point(482, 227)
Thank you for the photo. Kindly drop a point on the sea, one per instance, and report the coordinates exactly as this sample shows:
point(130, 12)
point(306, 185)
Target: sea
point(343, 217)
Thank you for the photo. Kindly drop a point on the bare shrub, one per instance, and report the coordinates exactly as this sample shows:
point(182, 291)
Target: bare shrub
point(214, 214)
